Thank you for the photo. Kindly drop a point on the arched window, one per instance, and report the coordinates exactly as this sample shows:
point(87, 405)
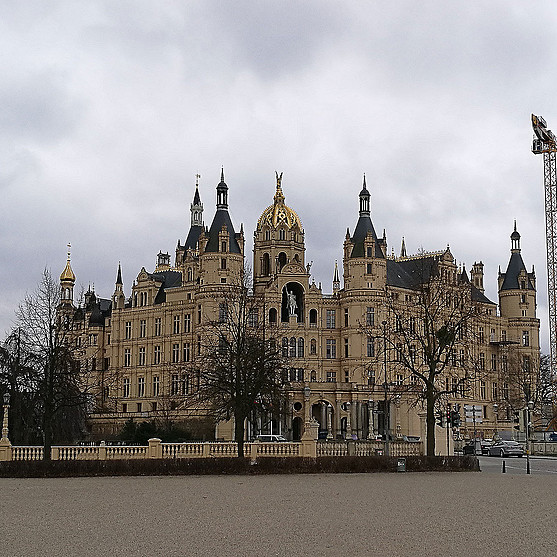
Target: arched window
point(284, 347)
point(313, 375)
point(190, 274)
point(313, 346)
point(300, 347)
point(313, 317)
point(293, 347)
point(273, 315)
point(266, 265)
point(281, 260)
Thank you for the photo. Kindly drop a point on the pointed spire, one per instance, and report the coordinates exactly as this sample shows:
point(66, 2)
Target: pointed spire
point(336, 279)
point(119, 276)
point(515, 240)
point(364, 200)
point(196, 208)
point(403, 248)
point(222, 192)
point(67, 273)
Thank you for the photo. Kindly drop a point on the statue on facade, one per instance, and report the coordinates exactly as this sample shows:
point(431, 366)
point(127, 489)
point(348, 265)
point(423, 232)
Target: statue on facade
point(292, 305)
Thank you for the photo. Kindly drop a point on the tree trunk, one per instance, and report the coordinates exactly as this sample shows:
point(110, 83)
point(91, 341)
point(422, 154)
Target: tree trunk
point(239, 433)
point(430, 421)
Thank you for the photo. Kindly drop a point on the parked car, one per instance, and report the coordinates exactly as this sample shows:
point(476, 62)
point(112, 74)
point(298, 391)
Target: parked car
point(506, 448)
point(270, 438)
point(479, 447)
point(486, 443)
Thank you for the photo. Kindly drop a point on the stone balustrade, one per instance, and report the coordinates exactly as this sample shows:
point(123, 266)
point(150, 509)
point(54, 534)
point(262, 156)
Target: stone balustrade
point(157, 449)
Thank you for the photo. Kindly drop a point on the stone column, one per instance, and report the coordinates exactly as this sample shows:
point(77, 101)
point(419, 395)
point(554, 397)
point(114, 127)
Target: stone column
point(370, 421)
point(348, 421)
point(329, 422)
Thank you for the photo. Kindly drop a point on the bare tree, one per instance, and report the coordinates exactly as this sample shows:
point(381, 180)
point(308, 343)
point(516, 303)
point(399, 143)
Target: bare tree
point(240, 370)
point(429, 338)
point(525, 380)
point(46, 338)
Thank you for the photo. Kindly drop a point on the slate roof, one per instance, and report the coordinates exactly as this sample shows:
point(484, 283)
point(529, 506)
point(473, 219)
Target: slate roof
point(363, 227)
point(410, 273)
point(514, 268)
point(193, 237)
point(222, 218)
point(168, 279)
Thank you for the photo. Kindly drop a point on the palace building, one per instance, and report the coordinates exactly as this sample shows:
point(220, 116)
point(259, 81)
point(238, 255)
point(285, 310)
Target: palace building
point(140, 346)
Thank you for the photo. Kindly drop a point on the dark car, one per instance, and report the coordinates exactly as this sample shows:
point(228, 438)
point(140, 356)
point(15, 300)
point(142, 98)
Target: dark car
point(506, 448)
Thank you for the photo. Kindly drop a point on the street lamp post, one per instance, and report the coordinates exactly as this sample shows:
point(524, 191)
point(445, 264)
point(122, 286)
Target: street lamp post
point(386, 416)
point(5, 421)
point(495, 416)
point(530, 407)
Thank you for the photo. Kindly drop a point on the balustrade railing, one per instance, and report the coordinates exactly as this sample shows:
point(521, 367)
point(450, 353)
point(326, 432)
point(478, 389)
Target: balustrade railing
point(157, 449)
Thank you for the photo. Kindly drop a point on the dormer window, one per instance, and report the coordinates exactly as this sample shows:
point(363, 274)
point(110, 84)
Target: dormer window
point(369, 252)
point(223, 246)
point(523, 285)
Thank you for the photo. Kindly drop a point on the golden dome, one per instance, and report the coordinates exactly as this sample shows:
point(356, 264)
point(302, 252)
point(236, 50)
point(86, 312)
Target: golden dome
point(278, 213)
point(67, 273)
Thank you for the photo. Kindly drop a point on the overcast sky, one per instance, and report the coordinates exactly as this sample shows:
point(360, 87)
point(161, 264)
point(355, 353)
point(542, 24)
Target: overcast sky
point(109, 109)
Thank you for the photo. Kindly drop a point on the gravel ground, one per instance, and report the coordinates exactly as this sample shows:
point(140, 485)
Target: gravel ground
point(429, 514)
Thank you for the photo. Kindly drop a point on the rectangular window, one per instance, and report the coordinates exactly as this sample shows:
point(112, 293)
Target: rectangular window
point(174, 385)
point(175, 353)
point(157, 355)
point(412, 325)
point(127, 357)
point(143, 328)
point(223, 313)
point(525, 338)
point(493, 362)
point(370, 347)
point(494, 392)
point(482, 390)
point(331, 377)
point(504, 363)
point(331, 351)
point(504, 336)
point(346, 317)
point(128, 329)
point(346, 348)
point(331, 319)
point(370, 317)
point(141, 386)
point(126, 385)
point(223, 263)
point(141, 359)
point(198, 345)
point(140, 407)
point(347, 376)
point(199, 314)
point(481, 334)
point(187, 323)
point(526, 364)
point(156, 385)
point(158, 326)
point(462, 358)
point(253, 317)
point(369, 268)
point(482, 361)
point(124, 407)
point(176, 325)
point(399, 379)
point(186, 352)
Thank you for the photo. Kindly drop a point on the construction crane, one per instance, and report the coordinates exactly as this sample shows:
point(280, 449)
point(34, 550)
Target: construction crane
point(545, 144)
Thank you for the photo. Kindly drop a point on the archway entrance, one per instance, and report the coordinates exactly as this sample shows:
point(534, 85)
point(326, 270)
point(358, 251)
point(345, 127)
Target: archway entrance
point(292, 302)
point(297, 428)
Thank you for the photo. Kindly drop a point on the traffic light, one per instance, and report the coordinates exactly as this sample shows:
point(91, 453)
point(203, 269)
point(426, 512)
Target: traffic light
point(516, 421)
point(455, 419)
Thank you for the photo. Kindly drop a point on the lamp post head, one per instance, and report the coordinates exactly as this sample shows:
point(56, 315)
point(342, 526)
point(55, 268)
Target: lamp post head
point(530, 405)
point(6, 398)
point(495, 408)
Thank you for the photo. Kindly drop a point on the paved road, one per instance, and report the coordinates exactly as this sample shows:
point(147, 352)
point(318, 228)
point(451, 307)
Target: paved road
point(538, 465)
point(354, 515)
